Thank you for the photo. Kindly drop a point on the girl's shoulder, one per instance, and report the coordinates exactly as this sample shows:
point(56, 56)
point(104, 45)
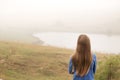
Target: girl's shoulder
point(94, 56)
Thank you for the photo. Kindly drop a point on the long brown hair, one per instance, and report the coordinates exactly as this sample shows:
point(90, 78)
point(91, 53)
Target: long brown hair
point(82, 58)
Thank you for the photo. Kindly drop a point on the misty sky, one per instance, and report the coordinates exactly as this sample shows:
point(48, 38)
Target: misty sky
point(98, 16)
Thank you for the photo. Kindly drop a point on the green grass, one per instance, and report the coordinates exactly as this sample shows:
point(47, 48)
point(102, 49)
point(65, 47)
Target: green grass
point(34, 62)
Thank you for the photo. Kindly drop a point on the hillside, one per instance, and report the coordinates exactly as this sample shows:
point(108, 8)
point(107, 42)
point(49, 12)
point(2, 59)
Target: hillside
point(33, 62)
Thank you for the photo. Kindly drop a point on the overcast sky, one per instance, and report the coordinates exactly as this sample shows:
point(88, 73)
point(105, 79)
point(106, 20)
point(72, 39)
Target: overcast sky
point(102, 16)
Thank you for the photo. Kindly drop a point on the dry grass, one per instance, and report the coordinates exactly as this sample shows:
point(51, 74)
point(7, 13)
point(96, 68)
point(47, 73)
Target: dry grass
point(33, 62)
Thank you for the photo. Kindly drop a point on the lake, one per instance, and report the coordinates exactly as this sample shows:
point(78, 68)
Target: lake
point(99, 42)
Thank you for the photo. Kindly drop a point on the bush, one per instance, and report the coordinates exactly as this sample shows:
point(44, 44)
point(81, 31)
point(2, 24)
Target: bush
point(108, 69)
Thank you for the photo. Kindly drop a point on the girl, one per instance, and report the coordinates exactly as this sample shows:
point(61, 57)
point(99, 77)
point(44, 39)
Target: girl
point(83, 63)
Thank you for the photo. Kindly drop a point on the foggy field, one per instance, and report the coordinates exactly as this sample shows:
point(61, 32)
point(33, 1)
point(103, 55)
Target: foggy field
point(20, 61)
point(27, 25)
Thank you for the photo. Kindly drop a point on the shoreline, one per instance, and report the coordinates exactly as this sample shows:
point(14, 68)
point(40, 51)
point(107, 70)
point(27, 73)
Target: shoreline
point(38, 41)
point(56, 40)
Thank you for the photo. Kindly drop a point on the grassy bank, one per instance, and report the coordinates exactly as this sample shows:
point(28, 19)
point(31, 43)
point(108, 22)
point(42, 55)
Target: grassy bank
point(32, 62)
point(18, 34)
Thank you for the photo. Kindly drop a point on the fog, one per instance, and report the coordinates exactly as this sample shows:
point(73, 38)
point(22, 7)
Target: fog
point(92, 16)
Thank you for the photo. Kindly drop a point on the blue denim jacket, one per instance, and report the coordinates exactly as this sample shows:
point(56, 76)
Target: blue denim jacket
point(89, 75)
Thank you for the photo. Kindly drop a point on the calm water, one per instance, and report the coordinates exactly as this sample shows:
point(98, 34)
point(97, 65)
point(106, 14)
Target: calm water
point(99, 42)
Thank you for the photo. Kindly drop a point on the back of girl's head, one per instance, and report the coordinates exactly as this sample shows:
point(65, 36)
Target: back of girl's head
point(82, 57)
point(83, 43)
